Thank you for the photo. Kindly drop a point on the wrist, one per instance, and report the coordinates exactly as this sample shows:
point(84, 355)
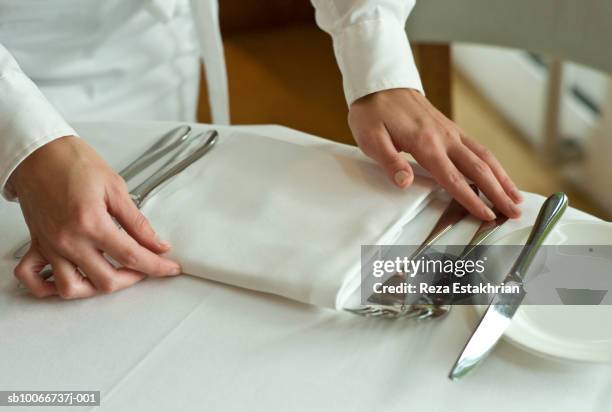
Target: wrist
point(381, 95)
point(38, 162)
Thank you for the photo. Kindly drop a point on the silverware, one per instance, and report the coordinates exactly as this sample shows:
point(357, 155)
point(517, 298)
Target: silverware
point(453, 214)
point(503, 306)
point(486, 229)
point(165, 144)
point(383, 305)
point(431, 309)
point(179, 162)
point(156, 151)
point(21, 250)
point(174, 166)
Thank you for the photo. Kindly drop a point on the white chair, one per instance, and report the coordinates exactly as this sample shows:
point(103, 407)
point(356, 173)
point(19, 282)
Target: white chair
point(578, 31)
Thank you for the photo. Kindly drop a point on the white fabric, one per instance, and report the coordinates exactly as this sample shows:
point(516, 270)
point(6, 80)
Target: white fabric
point(27, 119)
point(370, 44)
point(187, 344)
point(116, 59)
point(206, 12)
point(138, 60)
point(281, 218)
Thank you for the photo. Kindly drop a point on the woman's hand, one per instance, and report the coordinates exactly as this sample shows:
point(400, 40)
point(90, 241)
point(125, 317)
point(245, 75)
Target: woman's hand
point(69, 197)
point(391, 121)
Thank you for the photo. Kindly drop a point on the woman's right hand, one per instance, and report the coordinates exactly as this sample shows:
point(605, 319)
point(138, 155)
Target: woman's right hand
point(69, 197)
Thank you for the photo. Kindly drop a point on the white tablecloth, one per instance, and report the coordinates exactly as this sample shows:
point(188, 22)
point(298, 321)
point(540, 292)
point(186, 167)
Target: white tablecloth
point(186, 344)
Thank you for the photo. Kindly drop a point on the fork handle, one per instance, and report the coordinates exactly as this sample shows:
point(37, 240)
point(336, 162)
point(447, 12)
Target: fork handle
point(486, 229)
point(168, 142)
point(139, 193)
point(453, 214)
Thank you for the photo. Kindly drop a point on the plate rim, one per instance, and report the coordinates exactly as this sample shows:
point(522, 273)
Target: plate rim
point(564, 352)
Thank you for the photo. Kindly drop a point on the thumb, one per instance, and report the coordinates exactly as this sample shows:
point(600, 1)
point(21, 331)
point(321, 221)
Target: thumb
point(122, 208)
point(400, 171)
point(380, 147)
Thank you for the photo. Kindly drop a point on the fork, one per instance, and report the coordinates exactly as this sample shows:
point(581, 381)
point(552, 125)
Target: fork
point(413, 311)
point(452, 215)
point(426, 307)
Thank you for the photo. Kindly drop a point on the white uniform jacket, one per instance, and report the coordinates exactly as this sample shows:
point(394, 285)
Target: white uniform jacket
point(139, 60)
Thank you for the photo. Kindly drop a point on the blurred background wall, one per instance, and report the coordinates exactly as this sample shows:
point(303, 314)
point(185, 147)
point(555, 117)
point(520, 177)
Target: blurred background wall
point(281, 70)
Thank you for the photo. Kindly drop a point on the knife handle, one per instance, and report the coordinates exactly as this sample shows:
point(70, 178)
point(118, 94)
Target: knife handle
point(164, 145)
point(486, 229)
point(139, 193)
point(550, 213)
point(453, 214)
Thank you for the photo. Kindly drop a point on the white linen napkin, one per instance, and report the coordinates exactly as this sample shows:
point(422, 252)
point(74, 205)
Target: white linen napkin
point(281, 218)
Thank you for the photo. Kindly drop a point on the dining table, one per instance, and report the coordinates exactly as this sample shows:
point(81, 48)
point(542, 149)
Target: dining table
point(190, 344)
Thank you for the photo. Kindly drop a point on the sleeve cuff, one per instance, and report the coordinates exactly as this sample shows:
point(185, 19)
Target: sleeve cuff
point(27, 122)
point(375, 55)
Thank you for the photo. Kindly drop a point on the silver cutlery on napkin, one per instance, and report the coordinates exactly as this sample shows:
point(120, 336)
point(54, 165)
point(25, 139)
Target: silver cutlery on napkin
point(433, 307)
point(392, 307)
point(164, 145)
point(179, 162)
point(503, 306)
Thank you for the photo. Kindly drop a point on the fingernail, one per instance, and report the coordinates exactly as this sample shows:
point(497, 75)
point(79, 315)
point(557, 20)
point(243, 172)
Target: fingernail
point(176, 270)
point(401, 178)
point(516, 195)
point(163, 243)
point(515, 210)
point(490, 214)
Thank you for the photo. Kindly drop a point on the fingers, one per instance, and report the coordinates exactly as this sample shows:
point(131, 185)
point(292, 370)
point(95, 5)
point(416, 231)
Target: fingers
point(379, 147)
point(69, 282)
point(135, 223)
point(484, 154)
point(447, 175)
point(102, 274)
point(402, 119)
point(125, 250)
point(82, 247)
point(480, 173)
point(27, 271)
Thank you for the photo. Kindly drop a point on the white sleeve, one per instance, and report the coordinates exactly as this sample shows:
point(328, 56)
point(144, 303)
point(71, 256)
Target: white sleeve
point(370, 44)
point(27, 119)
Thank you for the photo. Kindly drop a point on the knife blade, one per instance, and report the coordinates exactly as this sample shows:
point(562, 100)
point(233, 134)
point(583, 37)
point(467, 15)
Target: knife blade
point(503, 306)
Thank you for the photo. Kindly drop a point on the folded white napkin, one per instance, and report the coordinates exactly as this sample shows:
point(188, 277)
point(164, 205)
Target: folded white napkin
point(282, 218)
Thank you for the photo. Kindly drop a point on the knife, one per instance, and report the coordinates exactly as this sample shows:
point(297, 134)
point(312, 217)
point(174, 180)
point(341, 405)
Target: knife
point(174, 166)
point(503, 306)
point(165, 144)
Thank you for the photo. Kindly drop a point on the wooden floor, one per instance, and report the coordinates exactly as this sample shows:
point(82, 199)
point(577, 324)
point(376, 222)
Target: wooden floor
point(289, 76)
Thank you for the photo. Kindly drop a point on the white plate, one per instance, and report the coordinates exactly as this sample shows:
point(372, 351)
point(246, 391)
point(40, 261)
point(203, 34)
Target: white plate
point(581, 333)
